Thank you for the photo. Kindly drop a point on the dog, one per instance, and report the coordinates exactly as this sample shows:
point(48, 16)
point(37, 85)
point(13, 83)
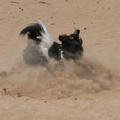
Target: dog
point(45, 48)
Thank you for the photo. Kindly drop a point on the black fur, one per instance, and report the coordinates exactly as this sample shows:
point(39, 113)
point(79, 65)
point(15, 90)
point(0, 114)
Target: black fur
point(54, 51)
point(32, 31)
point(72, 46)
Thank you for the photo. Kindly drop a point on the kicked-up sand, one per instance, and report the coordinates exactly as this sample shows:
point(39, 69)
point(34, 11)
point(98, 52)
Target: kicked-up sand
point(89, 91)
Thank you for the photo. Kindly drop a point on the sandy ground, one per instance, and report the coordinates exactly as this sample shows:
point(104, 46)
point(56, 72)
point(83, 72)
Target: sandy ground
point(87, 92)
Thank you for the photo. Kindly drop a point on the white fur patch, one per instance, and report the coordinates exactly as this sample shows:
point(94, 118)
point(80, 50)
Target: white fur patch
point(46, 40)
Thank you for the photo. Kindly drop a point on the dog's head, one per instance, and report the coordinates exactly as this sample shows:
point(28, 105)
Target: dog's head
point(71, 43)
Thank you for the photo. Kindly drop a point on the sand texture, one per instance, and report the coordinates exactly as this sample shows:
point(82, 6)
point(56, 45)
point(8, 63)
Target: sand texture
point(90, 91)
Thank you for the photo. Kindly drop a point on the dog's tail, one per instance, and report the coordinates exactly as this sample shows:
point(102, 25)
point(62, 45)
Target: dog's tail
point(46, 37)
point(46, 40)
point(38, 31)
point(32, 31)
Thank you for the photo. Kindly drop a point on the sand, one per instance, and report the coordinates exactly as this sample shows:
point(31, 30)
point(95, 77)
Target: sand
point(86, 92)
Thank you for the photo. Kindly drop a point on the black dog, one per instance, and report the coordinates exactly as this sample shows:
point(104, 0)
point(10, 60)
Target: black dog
point(45, 48)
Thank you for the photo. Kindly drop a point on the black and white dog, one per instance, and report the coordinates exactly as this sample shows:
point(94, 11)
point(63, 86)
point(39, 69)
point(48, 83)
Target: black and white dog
point(45, 48)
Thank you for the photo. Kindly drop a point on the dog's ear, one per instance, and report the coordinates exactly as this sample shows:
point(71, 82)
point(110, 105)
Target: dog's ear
point(77, 31)
point(61, 38)
point(81, 41)
point(75, 35)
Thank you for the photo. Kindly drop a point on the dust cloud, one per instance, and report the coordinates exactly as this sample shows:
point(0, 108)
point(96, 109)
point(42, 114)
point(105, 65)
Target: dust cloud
point(57, 80)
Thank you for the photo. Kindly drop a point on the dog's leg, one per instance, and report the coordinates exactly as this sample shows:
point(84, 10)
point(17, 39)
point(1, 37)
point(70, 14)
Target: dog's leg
point(77, 62)
point(50, 71)
point(62, 58)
